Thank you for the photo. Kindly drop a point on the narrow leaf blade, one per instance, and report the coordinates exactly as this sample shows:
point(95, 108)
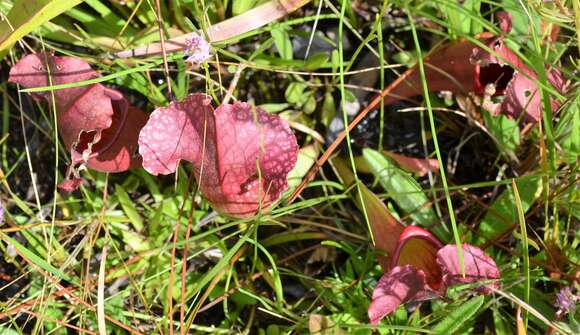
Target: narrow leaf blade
point(459, 316)
point(27, 15)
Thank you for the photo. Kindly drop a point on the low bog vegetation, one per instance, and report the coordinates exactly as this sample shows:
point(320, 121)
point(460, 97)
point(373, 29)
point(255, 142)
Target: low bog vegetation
point(289, 166)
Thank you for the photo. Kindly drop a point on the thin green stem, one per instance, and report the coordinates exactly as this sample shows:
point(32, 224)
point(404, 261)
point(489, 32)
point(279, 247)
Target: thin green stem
point(436, 142)
point(524, 248)
point(381, 78)
point(345, 118)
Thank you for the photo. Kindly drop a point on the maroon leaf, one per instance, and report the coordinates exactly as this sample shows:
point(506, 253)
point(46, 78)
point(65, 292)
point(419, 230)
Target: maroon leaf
point(463, 67)
point(241, 155)
point(504, 21)
point(401, 285)
point(418, 247)
point(70, 184)
point(510, 77)
point(385, 227)
point(96, 123)
point(446, 69)
point(478, 267)
point(419, 166)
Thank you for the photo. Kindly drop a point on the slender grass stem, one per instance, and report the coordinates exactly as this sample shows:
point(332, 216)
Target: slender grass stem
point(436, 141)
point(345, 117)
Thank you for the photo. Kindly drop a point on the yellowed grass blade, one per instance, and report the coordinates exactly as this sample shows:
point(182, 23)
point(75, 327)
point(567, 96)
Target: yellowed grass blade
point(235, 26)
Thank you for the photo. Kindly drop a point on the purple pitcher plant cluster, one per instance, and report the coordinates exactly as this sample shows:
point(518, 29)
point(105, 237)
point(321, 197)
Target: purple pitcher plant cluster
point(423, 268)
point(241, 155)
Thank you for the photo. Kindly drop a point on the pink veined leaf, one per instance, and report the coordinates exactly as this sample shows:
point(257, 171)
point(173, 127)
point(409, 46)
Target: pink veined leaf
point(462, 67)
point(505, 21)
point(523, 96)
point(511, 78)
point(96, 123)
point(400, 285)
point(478, 267)
point(71, 184)
point(418, 247)
point(240, 154)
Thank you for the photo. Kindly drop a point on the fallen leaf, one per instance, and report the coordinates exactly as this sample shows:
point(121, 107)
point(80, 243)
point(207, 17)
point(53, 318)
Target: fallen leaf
point(461, 67)
point(322, 325)
point(240, 154)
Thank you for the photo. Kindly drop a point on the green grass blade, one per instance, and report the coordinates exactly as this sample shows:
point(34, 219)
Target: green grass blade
point(129, 208)
point(459, 316)
point(436, 141)
point(404, 190)
point(35, 259)
point(524, 248)
point(27, 15)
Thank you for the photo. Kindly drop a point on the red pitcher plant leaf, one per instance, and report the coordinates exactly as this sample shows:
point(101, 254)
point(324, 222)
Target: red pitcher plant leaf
point(400, 285)
point(96, 123)
point(266, 12)
point(240, 154)
point(418, 247)
point(504, 21)
point(385, 227)
point(478, 267)
point(462, 67)
point(423, 268)
point(503, 74)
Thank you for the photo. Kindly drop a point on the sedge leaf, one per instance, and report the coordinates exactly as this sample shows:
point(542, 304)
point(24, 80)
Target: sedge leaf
point(459, 316)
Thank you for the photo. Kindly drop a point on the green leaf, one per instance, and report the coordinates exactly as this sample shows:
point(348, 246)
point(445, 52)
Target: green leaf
point(310, 103)
point(459, 316)
point(282, 42)
point(294, 93)
point(8, 331)
point(504, 130)
point(460, 21)
point(27, 15)
point(316, 61)
point(568, 131)
point(306, 158)
point(130, 238)
point(38, 245)
point(404, 190)
point(129, 208)
point(503, 212)
point(35, 259)
point(242, 6)
point(274, 108)
point(328, 109)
